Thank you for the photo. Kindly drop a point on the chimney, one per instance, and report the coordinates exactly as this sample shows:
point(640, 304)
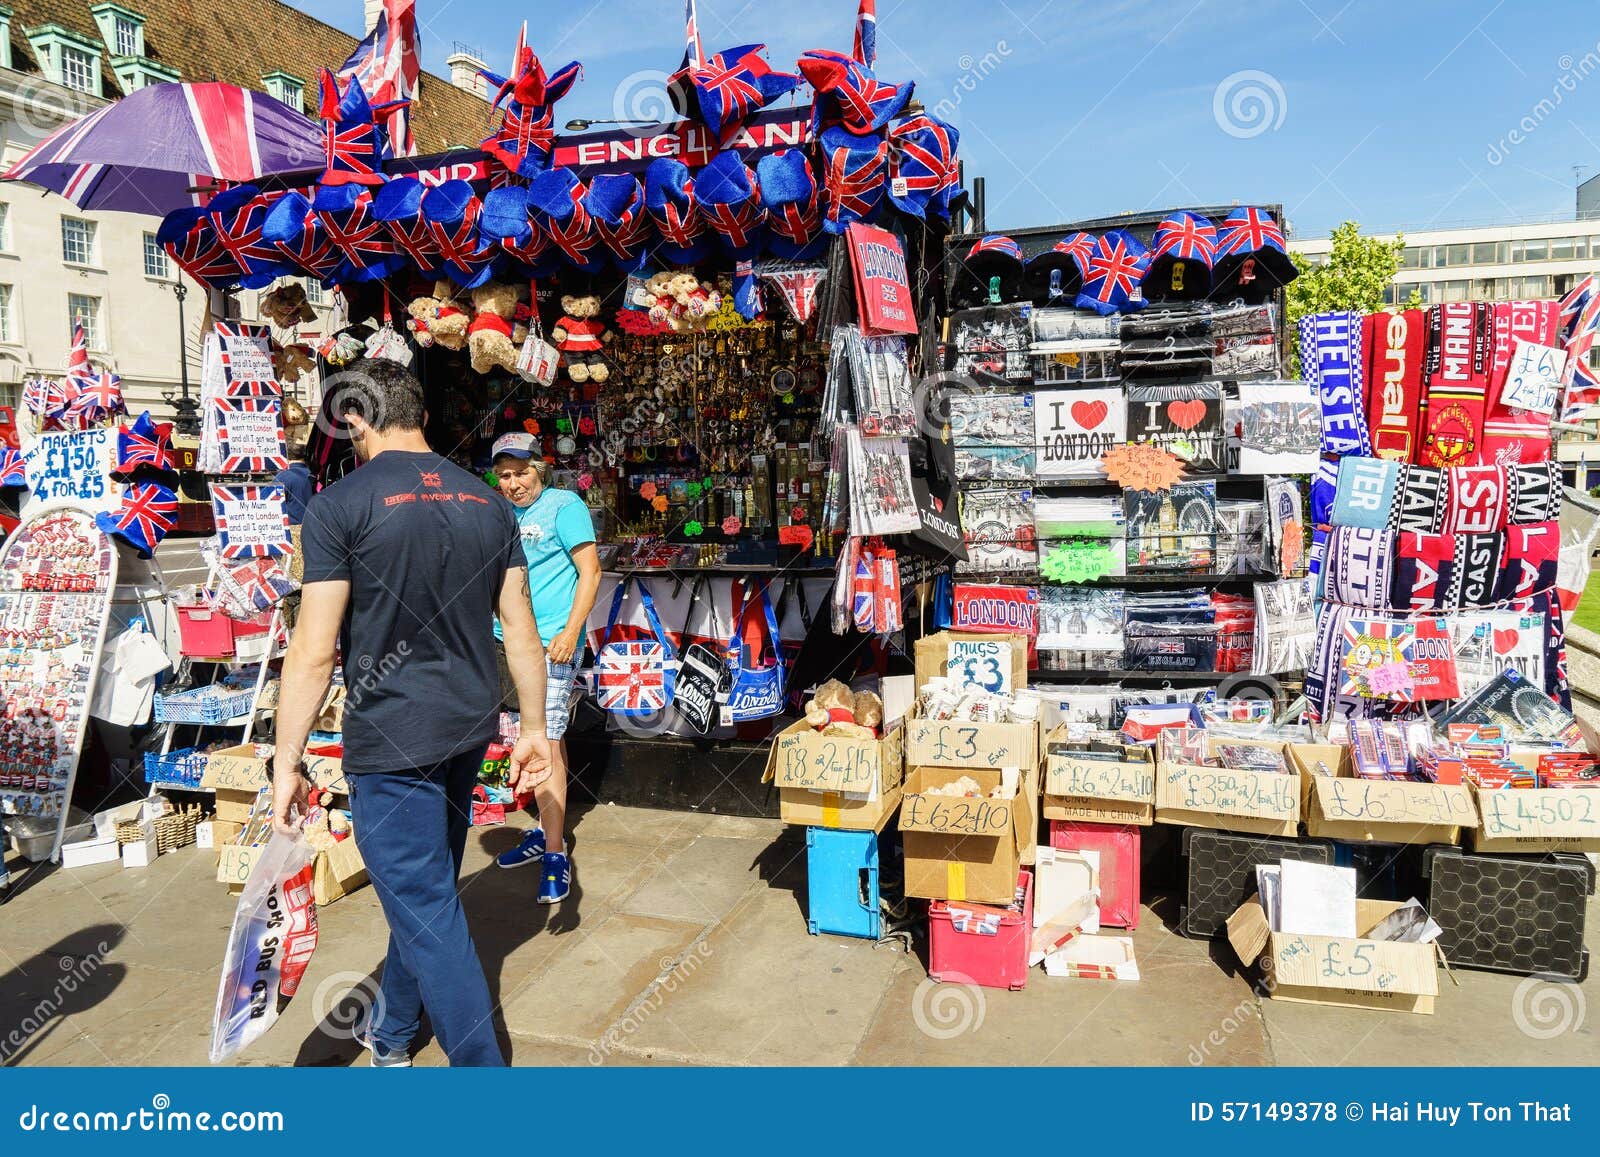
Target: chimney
point(464, 63)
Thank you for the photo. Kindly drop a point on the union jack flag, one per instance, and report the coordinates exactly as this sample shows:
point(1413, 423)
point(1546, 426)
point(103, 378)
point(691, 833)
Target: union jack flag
point(522, 142)
point(353, 146)
point(1114, 270)
point(350, 227)
point(1187, 237)
point(854, 178)
point(144, 443)
point(101, 399)
point(866, 47)
point(849, 94)
point(190, 238)
point(44, 396)
point(1575, 303)
point(13, 469)
point(1580, 324)
point(631, 677)
point(922, 164)
point(388, 66)
point(249, 435)
point(250, 520)
point(148, 511)
point(1247, 230)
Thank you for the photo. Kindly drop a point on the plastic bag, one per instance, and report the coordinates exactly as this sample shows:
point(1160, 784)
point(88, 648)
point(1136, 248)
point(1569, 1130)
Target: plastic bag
point(273, 936)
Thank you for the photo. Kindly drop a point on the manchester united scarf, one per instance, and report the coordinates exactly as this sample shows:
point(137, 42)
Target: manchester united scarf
point(1423, 569)
point(1457, 374)
point(1532, 555)
point(1512, 435)
point(1330, 359)
point(1392, 349)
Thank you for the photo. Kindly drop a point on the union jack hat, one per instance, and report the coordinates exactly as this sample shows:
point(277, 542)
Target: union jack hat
point(849, 94)
point(344, 215)
point(729, 88)
point(793, 201)
point(148, 511)
point(398, 204)
point(504, 224)
point(451, 211)
point(1112, 274)
point(853, 177)
point(922, 166)
point(144, 443)
point(291, 225)
point(189, 235)
point(729, 201)
point(1055, 276)
point(354, 144)
point(993, 257)
point(555, 203)
point(238, 215)
point(615, 202)
point(13, 469)
point(669, 199)
point(1181, 257)
point(524, 138)
point(1252, 257)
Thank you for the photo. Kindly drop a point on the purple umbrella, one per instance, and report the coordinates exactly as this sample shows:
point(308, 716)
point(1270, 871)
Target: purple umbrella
point(147, 152)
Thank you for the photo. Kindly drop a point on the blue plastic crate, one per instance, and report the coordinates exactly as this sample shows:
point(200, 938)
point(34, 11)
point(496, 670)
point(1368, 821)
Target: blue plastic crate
point(213, 704)
point(185, 767)
point(842, 875)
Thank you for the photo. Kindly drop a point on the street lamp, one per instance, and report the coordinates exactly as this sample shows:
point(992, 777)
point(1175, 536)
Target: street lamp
point(578, 126)
point(186, 410)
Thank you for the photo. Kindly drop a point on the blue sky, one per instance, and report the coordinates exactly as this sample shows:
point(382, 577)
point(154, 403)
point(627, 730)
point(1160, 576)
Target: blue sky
point(1396, 114)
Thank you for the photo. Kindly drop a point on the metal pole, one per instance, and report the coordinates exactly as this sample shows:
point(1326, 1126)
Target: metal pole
point(980, 205)
point(185, 410)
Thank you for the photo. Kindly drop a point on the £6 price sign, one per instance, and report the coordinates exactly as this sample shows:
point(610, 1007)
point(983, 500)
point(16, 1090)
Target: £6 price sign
point(71, 466)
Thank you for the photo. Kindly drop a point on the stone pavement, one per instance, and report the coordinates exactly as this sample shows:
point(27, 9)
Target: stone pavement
point(685, 942)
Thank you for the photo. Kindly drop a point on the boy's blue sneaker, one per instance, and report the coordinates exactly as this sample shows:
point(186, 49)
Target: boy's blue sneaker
point(529, 851)
point(557, 881)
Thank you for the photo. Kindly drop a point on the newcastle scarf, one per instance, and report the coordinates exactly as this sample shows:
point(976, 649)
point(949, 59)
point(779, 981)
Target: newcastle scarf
point(1356, 567)
point(1476, 569)
point(1422, 500)
point(1535, 493)
point(1478, 499)
point(1392, 348)
point(1368, 493)
point(1511, 435)
point(1531, 556)
point(1457, 373)
point(1330, 360)
point(1423, 568)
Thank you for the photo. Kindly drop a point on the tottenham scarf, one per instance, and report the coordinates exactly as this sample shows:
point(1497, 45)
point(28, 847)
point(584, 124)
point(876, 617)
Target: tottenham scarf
point(1330, 360)
point(1478, 499)
point(1356, 567)
point(1422, 500)
point(1532, 555)
point(1392, 348)
point(1322, 672)
point(1476, 569)
point(1368, 493)
point(1535, 493)
point(1512, 435)
point(1457, 372)
point(1423, 568)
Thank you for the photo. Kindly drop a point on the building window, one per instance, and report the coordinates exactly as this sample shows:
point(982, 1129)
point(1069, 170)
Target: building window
point(5, 227)
point(1561, 248)
point(315, 294)
point(289, 89)
point(1483, 253)
point(155, 258)
point(7, 332)
point(1458, 255)
point(1414, 259)
point(77, 241)
point(127, 38)
point(77, 69)
point(85, 311)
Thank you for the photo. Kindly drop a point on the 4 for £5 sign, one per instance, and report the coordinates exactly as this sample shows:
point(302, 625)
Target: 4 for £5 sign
point(71, 466)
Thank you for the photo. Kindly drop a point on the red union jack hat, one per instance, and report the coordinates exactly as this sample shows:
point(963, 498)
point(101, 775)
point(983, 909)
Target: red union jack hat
point(344, 215)
point(922, 166)
point(729, 201)
point(145, 443)
point(354, 145)
point(298, 234)
point(1112, 274)
point(504, 224)
point(1252, 257)
point(1055, 276)
point(729, 88)
point(1181, 258)
point(615, 202)
point(148, 511)
point(526, 133)
point(992, 258)
point(669, 200)
point(555, 203)
point(238, 215)
point(189, 235)
point(398, 204)
point(452, 211)
point(853, 177)
point(793, 201)
point(13, 469)
point(848, 94)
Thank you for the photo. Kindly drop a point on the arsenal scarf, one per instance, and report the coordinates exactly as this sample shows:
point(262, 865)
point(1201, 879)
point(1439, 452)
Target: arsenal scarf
point(1476, 569)
point(1457, 374)
point(1511, 435)
point(1330, 360)
point(1368, 493)
point(1423, 568)
point(1422, 500)
point(1532, 555)
point(1356, 567)
point(1535, 493)
point(1392, 349)
point(1478, 499)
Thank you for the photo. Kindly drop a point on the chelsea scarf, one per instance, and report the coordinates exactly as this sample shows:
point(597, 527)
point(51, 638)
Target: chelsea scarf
point(1392, 349)
point(1511, 435)
point(1324, 485)
point(1423, 568)
point(1330, 360)
point(1457, 369)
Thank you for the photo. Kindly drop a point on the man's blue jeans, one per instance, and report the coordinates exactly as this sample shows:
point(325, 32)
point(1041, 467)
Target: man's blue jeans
point(411, 829)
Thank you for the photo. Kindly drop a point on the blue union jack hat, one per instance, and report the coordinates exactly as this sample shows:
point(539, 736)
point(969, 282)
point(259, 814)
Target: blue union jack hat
point(451, 211)
point(729, 88)
point(555, 203)
point(991, 258)
point(669, 200)
point(504, 225)
point(189, 236)
point(848, 94)
point(344, 214)
point(793, 201)
point(398, 204)
point(13, 468)
point(616, 203)
point(1112, 273)
point(238, 215)
point(143, 443)
point(853, 179)
point(922, 166)
point(729, 201)
point(296, 231)
point(1181, 256)
point(148, 511)
point(1252, 257)
point(1055, 276)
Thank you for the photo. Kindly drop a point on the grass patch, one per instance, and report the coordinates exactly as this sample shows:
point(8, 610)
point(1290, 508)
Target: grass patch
point(1588, 613)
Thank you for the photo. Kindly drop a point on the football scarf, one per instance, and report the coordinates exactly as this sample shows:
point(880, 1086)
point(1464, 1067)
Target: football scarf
point(1322, 671)
point(1535, 493)
point(1324, 488)
point(1422, 500)
point(1476, 569)
point(1477, 499)
point(1330, 359)
point(1423, 568)
point(1457, 374)
point(1532, 555)
point(1512, 435)
point(1368, 493)
point(1555, 652)
point(1356, 567)
point(1392, 349)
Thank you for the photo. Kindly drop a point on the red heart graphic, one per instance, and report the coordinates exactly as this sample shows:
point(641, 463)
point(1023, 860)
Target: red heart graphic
point(1089, 414)
point(1186, 415)
point(1504, 641)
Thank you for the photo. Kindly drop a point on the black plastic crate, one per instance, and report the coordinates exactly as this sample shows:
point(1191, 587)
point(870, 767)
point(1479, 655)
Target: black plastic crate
point(1519, 914)
point(1222, 872)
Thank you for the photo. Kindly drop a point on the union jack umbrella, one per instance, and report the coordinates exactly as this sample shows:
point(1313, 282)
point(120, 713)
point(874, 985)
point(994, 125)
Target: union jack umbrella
point(729, 200)
point(793, 201)
point(523, 141)
point(504, 223)
point(922, 166)
point(399, 206)
point(238, 215)
point(1252, 257)
point(1055, 276)
point(451, 211)
point(249, 435)
point(166, 146)
point(100, 399)
point(848, 93)
point(344, 213)
point(615, 203)
point(632, 677)
point(144, 443)
point(354, 145)
point(297, 232)
point(854, 177)
point(190, 238)
point(250, 520)
point(148, 511)
point(13, 469)
point(669, 200)
point(555, 203)
point(1113, 272)
point(1181, 258)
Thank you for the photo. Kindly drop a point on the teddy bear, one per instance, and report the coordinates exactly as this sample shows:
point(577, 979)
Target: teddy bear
point(286, 306)
point(439, 319)
point(837, 710)
point(665, 312)
point(580, 335)
point(293, 362)
point(498, 326)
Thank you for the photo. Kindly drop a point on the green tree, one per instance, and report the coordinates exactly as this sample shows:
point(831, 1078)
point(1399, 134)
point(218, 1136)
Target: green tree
point(1355, 275)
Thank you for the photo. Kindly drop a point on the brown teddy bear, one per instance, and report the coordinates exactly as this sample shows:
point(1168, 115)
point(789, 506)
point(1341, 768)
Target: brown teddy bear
point(293, 362)
point(441, 319)
point(498, 327)
point(837, 710)
point(286, 306)
point(580, 335)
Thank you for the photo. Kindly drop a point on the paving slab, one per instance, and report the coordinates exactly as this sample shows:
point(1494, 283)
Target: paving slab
point(700, 883)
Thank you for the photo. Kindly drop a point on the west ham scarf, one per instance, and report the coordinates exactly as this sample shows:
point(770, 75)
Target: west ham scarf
point(1422, 500)
point(1511, 435)
point(1368, 493)
point(1330, 359)
point(1535, 493)
point(1476, 569)
point(1478, 499)
point(1457, 372)
point(1532, 555)
point(1423, 568)
point(1356, 567)
point(1392, 349)
point(1324, 486)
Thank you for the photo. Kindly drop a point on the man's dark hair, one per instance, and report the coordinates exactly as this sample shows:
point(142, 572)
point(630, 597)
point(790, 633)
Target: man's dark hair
point(384, 393)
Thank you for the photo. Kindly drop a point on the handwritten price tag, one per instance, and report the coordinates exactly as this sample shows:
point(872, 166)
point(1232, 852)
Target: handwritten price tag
point(980, 663)
point(1556, 813)
point(1376, 801)
point(954, 815)
point(1535, 378)
point(1097, 779)
point(1265, 794)
point(818, 763)
point(71, 466)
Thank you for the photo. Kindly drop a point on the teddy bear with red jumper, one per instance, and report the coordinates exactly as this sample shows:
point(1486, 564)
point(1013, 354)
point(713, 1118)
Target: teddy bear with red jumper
point(581, 337)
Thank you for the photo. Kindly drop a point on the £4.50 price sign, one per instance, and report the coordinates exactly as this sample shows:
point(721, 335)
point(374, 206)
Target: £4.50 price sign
point(72, 466)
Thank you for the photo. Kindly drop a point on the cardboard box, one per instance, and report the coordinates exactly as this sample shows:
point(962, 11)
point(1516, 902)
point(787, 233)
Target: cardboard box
point(248, 768)
point(1343, 806)
point(806, 759)
point(1259, 802)
point(337, 872)
point(830, 809)
point(1342, 970)
point(941, 865)
point(933, 654)
point(964, 743)
point(236, 863)
point(233, 807)
point(1098, 790)
point(1552, 819)
point(923, 811)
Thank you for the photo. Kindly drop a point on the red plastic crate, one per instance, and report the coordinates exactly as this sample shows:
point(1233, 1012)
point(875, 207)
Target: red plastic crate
point(208, 634)
point(1118, 845)
point(981, 943)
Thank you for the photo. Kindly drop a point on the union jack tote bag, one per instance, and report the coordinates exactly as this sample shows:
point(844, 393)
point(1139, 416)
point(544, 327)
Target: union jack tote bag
point(757, 692)
point(635, 677)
